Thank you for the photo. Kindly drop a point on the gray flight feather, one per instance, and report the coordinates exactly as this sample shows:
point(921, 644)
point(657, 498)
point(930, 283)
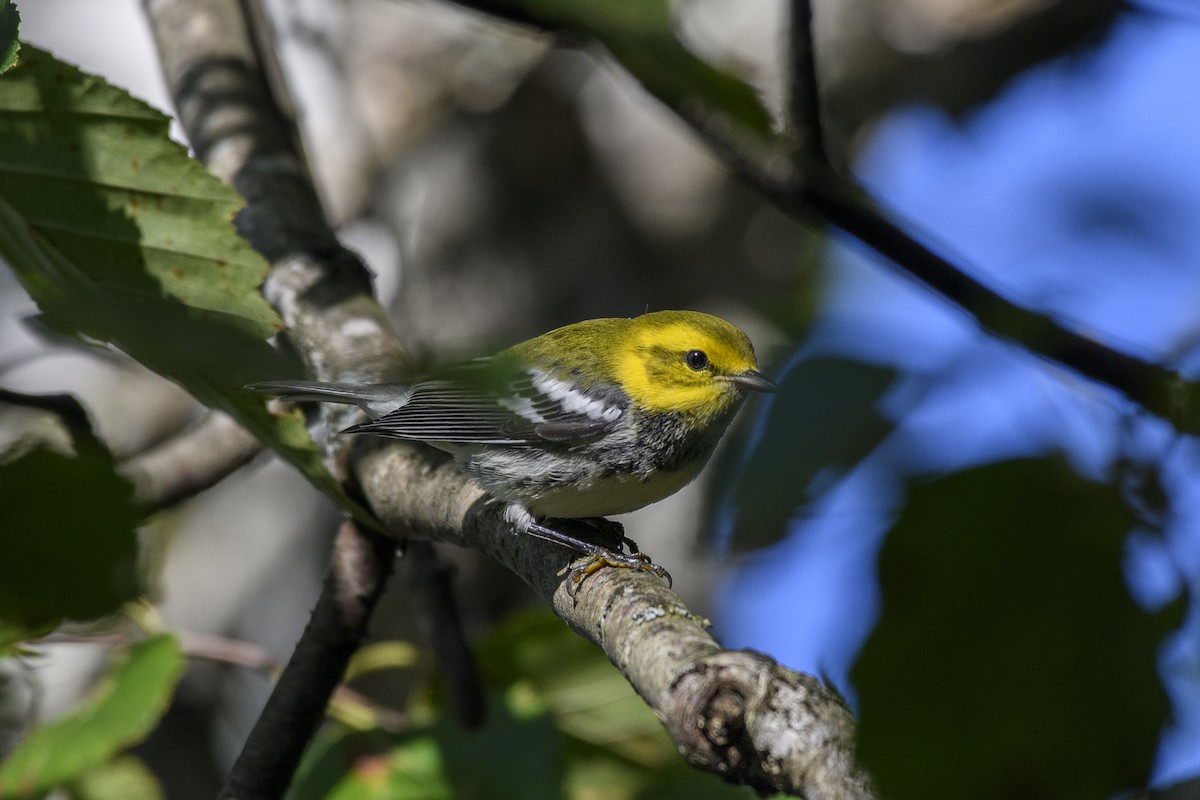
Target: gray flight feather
point(378, 399)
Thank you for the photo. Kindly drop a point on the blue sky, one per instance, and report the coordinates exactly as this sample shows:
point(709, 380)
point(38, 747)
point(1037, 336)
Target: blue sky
point(1075, 192)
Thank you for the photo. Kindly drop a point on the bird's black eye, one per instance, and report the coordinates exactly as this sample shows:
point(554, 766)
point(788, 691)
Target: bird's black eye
point(696, 359)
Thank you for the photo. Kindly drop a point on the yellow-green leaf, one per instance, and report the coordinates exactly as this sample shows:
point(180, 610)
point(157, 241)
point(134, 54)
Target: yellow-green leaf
point(120, 712)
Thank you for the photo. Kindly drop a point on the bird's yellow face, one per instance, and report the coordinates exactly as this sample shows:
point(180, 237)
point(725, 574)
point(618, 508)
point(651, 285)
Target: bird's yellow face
point(684, 361)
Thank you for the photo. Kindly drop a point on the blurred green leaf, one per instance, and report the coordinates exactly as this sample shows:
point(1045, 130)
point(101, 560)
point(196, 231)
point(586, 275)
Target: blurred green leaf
point(587, 696)
point(120, 237)
point(521, 754)
point(562, 723)
point(640, 36)
point(125, 778)
point(1010, 660)
point(11, 635)
point(822, 422)
point(382, 655)
point(517, 755)
point(120, 712)
point(69, 547)
point(410, 770)
point(10, 20)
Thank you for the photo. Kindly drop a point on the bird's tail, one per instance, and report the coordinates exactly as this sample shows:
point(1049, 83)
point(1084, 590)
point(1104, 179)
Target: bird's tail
point(377, 399)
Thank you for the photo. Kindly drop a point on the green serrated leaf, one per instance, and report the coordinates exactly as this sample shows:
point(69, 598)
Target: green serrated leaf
point(91, 172)
point(120, 237)
point(69, 547)
point(120, 712)
point(10, 21)
point(1010, 659)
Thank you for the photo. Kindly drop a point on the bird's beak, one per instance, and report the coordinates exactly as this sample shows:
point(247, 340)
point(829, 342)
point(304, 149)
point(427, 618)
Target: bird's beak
point(753, 380)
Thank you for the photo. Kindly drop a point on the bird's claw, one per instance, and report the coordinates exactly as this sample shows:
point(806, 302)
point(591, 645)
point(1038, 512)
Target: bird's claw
point(598, 561)
point(595, 557)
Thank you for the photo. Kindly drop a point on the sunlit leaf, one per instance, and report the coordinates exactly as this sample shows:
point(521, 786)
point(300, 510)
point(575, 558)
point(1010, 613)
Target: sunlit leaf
point(382, 655)
point(120, 712)
point(1010, 660)
point(125, 778)
point(411, 769)
point(515, 756)
point(121, 238)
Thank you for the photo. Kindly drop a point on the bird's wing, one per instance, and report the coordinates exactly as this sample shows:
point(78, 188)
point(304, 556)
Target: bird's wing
point(490, 402)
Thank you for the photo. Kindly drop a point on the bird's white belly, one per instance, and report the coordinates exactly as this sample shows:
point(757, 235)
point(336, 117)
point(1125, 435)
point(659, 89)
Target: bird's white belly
point(612, 494)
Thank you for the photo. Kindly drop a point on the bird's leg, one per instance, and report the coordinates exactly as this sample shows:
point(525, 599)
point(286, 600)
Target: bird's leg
point(598, 556)
point(614, 532)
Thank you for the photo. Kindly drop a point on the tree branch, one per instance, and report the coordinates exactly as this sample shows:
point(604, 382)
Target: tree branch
point(171, 471)
point(738, 714)
point(335, 630)
point(187, 464)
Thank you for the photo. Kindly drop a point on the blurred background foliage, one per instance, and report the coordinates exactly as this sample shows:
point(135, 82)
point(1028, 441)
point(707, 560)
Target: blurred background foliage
point(1044, 534)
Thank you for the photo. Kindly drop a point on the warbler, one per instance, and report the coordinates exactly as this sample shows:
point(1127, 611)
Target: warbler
point(596, 418)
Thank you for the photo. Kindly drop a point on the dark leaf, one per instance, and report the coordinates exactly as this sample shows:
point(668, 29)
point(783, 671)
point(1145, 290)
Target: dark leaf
point(69, 547)
point(1010, 660)
point(822, 422)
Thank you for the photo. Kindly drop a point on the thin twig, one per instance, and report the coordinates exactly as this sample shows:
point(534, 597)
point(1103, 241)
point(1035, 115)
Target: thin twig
point(239, 653)
point(338, 624)
point(429, 578)
point(804, 96)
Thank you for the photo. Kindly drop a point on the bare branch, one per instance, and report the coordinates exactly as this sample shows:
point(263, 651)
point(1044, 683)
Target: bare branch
point(238, 653)
point(187, 464)
point(69, 412)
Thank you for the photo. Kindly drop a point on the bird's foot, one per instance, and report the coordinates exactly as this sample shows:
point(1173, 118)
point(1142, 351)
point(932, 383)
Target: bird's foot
point(597, 556)
point(594, 562)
